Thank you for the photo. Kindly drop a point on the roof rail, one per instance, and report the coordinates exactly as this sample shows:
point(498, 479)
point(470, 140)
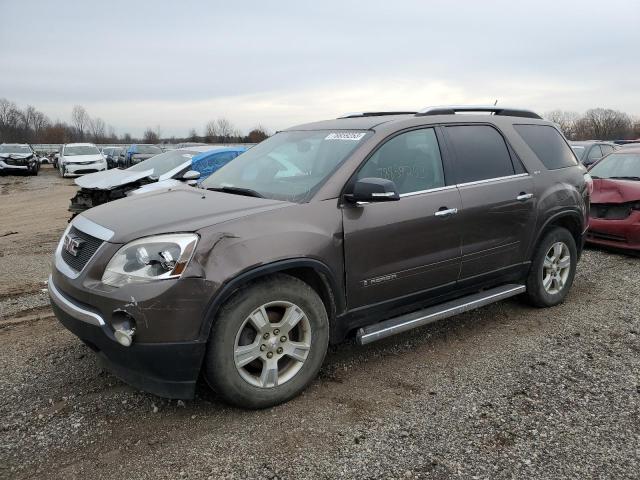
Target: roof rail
point(503, 111)
point(374, 114)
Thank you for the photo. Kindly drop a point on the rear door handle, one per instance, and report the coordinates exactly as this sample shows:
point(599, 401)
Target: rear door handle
point(446, 212)
point(524, 196)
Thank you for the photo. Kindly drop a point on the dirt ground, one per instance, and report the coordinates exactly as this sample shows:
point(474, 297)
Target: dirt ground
point(507, 391)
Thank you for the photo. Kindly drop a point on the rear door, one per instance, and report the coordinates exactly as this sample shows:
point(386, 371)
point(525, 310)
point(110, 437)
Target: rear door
point(497, 197)
point(410, 246)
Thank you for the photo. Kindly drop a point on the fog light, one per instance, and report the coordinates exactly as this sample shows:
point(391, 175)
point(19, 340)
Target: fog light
point(124, 336)
point(124, 328)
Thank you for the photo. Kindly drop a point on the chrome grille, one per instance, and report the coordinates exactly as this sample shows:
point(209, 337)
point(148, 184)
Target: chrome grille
point(85, 252)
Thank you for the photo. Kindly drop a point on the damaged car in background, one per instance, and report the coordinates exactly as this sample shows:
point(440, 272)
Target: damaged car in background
point(139, 153)
point(615, 202)
point(167, 170)
point(18, 158)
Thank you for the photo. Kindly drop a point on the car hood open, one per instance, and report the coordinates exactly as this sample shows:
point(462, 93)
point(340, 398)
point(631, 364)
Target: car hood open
point(110, 179)
point(615, 191)
point(182, 209)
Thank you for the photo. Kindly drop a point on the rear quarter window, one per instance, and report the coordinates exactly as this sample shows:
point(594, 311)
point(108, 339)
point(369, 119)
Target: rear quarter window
point(548, 145)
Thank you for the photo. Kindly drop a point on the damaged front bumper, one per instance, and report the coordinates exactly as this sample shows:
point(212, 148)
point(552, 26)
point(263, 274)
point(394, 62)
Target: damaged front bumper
point(167, 352)
point(18, 165)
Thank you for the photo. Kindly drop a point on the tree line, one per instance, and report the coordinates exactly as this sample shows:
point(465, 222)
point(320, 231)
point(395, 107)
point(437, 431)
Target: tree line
point(29, 125)
point(596, 124)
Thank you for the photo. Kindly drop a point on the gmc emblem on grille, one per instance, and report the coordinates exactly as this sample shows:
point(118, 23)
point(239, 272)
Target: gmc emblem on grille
point(72, 244)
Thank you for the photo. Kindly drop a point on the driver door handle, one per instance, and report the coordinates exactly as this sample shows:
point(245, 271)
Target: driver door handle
point(524, 196)
point(446, 212)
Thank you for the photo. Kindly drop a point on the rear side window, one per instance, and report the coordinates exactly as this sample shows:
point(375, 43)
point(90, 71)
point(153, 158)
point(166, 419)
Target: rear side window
point(548, 145)
point(481, 153)
point(606, 149)
point(595, 153)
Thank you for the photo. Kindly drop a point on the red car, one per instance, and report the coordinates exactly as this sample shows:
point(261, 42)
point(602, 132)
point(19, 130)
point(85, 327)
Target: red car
point(615, 202)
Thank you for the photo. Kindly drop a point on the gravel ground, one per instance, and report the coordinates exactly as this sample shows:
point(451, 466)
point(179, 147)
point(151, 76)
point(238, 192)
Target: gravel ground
point(503, 392)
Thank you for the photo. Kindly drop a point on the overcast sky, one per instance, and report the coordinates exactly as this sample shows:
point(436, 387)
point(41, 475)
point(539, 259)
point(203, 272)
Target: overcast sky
point(179, 64)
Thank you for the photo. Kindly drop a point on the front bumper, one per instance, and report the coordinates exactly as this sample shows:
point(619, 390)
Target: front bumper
point(164, 369)
point(17, 168)
point(616, 233)
point(82, 169)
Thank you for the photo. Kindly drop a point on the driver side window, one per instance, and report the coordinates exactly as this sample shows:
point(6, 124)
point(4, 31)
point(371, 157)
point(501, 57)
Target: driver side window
point(411, 160)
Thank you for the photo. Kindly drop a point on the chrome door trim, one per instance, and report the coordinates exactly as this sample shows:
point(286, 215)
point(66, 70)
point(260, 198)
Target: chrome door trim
point(495, 179)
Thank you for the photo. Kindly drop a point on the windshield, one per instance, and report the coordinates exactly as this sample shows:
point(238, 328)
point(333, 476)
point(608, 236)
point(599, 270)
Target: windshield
point(14, 149)
point(289, 165)
point(579, 151)
point(164, 162)
point(618, 165)
point(148, 149)
point(81, 150)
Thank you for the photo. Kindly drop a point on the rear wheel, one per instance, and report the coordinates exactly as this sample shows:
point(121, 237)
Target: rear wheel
point(268, 343)
point(553, 269)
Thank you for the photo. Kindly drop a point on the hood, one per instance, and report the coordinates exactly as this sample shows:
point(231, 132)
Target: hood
point(179, 210)
point(615, 191)
point(109, 179)
point(15, 156)
point(83, 158)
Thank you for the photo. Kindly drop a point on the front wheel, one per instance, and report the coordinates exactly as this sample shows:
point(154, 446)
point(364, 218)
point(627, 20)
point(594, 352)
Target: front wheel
point(553, 269)
point(267, 343)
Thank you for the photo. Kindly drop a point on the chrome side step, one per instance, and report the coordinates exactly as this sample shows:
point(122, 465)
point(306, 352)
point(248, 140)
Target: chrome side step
point(408, 321)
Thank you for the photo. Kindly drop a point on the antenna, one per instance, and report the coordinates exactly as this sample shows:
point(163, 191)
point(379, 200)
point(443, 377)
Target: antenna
point(495, 103)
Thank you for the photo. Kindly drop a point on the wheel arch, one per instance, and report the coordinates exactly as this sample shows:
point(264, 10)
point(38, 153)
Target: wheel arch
point(314, 273)
point(568, 219)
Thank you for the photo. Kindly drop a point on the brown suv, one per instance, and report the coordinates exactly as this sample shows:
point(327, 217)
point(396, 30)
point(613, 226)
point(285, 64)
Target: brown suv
point(371, 224)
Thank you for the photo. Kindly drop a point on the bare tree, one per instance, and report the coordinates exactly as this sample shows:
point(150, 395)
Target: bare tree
point(193, 135)
point(211, 131)
point(80, 119)
point(257, 134)
point(603, 124)
point(566, 121)
point(150, 136)
point(225, 130)
point(97, 128)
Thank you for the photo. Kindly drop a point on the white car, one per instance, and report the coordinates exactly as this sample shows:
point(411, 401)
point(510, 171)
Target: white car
point(80, 158)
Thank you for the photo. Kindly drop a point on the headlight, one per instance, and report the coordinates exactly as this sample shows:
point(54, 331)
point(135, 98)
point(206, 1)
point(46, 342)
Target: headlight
point(152, 258)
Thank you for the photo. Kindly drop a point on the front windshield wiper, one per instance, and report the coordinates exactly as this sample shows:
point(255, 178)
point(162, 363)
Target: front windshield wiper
point(237, 191)
point(630, 177)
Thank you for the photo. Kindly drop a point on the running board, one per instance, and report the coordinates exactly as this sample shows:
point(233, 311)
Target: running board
point(408, 321)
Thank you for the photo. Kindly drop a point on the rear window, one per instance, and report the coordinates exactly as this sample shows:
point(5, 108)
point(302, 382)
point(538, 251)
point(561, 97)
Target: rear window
point(548, 145)
point(481, 153)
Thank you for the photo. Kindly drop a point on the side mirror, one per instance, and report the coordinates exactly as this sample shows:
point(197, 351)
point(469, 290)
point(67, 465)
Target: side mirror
point(373, 190)
point(191, 175)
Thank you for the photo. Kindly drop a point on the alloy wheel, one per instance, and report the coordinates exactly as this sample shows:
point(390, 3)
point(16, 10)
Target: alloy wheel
point(272, 344)
point(556, 268)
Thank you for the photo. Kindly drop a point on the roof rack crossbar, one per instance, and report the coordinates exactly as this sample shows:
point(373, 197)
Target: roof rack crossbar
point(374, 114)
point(503, 111)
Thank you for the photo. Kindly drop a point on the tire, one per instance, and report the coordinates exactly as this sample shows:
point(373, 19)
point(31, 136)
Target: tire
point(61, 169)
point(253, 384)
point(547, 287)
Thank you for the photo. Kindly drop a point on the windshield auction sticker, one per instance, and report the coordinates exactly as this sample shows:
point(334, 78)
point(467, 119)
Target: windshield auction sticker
point(350, 136)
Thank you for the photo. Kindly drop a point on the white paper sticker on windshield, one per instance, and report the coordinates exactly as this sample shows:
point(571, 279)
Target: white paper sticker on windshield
point(353, 136)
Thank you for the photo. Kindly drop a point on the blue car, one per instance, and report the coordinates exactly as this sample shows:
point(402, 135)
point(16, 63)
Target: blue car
point(169, 169)
point(139, 152)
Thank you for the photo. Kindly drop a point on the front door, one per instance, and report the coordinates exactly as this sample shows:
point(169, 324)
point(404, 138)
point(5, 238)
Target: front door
point(394, 249)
